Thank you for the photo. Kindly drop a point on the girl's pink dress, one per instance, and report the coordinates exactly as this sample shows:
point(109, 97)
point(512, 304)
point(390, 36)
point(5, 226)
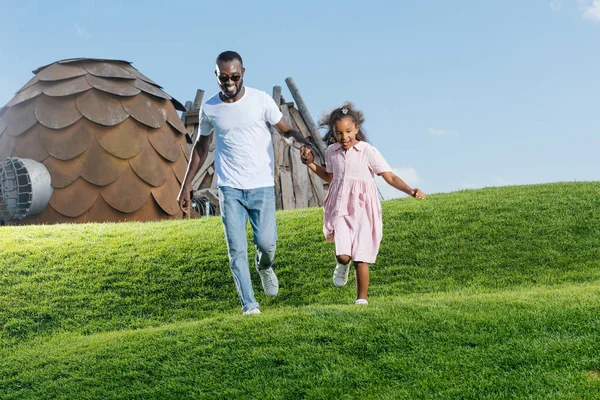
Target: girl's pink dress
point(352, 208)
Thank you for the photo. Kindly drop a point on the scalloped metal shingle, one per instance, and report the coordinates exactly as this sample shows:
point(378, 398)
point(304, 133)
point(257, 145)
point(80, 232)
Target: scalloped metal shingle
point(110, 137)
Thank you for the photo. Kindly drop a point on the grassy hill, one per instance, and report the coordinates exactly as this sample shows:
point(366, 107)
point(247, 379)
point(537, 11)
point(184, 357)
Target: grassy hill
point(491, 293)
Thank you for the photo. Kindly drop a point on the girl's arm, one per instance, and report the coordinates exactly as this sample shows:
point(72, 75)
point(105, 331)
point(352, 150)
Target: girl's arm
point(308, 159)
point(320, 171)
point(395, 181)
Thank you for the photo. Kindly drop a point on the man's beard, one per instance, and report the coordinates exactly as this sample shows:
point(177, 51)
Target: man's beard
point(232, 96)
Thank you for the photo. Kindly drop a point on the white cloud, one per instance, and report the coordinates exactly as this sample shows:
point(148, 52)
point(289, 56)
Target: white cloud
point(441, 132)
point(407, 174)
point(82, 32)
point(591, 11)
point(555, 5)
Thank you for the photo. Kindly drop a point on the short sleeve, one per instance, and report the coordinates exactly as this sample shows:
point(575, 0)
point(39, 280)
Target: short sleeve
point(377, 163)
point(329, 160)
point(272, 113)
point(206, 127)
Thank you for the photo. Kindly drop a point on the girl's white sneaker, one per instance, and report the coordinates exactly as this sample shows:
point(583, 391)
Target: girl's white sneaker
point(361, 301)
point(340, 274)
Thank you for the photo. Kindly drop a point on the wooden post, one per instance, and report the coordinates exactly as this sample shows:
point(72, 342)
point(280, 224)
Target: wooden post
point(316, 136)
point(198, 99)
point(276, 145)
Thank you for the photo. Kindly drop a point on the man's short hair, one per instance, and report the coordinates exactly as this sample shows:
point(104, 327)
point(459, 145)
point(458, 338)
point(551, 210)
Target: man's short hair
point(229, 55)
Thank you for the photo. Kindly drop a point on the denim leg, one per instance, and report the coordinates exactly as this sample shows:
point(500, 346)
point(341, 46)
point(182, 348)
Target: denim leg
point(261, 208)
point(235, 218)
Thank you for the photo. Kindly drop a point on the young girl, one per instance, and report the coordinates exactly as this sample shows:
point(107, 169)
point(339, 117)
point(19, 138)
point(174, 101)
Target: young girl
point(352, 208)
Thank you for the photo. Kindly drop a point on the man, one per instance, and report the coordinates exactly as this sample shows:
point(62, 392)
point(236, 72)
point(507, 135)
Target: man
point(239, 116)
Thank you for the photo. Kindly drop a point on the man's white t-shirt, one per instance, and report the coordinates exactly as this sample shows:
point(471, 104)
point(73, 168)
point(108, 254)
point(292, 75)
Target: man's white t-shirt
point(244, 151)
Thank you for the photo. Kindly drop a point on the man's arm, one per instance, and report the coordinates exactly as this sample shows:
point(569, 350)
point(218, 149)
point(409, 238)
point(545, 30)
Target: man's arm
point(292, 136)
point(199, 153)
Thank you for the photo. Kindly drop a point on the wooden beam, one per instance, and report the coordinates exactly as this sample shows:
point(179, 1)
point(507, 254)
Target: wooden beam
point(198, 99)
point(295, 114)
point(314, 129)
point(277, 95)
point(300, 180)
point(287, 190)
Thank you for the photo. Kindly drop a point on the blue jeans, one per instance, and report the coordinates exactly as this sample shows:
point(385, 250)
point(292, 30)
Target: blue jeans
point(237, 206)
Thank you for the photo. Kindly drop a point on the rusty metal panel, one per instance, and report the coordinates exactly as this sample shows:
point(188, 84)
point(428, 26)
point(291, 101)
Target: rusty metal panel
point(106, 70)
point(2, 126)
point(178, 106)
point(101, 211)
point(64, 173)
point(165, 143)
point(65, 144)
point(118, 87)
point(186, 151)
point(178, 127)
point(128, 193)
point(57, 72)
point(139, 75)
point(149, 212)
point(164, 195)
point(148, 111)
point(56, 112)
point(125, 140)
point(75, 199)
point(175, 121)
point(29, 146)
point(26, 94)
point(101, 168)
point(7, 145)
point(49, 215)
point(19, 118)
point(78, 60)
point(179, 168)
point(106, 152)
point(150, 89)
point(29, 84)
point(149, 166)
point(101, 108)
point(66, 87)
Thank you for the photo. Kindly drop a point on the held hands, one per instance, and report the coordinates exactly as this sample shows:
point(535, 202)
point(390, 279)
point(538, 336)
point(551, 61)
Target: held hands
point(306, 155)
point(417, 194)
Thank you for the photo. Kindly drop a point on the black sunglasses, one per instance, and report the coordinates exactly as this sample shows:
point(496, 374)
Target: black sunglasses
point(225, 78)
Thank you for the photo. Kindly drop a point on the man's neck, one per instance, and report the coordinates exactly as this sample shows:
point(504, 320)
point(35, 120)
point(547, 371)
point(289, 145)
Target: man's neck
point(232, 99)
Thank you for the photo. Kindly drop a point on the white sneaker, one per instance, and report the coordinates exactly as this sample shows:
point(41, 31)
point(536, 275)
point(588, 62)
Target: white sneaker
point(340, 274)
point(269, 281)
point(252, 311)
point(361, 301)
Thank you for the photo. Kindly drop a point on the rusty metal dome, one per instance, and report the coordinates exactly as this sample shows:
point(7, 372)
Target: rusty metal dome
point(110, 137)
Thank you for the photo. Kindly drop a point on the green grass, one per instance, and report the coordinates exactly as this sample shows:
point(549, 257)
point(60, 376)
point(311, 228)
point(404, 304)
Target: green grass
point(491, 293)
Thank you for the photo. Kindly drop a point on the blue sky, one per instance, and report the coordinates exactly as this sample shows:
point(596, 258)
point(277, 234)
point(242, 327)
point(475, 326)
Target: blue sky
point(457, 95)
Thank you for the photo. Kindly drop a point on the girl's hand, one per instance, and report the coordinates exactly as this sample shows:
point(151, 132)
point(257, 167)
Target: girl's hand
point(417, 194)
point(306, 155)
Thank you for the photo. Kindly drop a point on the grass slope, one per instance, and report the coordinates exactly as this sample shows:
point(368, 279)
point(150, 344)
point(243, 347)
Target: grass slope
point(492, 293)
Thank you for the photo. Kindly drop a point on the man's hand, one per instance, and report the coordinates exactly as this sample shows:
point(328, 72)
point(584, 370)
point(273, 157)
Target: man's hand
point(417, 194)
point(306, 155)
point(184, 200)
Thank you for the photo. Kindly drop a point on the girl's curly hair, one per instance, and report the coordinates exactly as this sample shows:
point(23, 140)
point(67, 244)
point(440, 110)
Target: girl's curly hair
point(328, 120)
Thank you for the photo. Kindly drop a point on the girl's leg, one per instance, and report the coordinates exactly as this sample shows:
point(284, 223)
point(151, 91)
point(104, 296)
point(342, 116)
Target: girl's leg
point(362, 279)
point(343, 259)
point(340, 272)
